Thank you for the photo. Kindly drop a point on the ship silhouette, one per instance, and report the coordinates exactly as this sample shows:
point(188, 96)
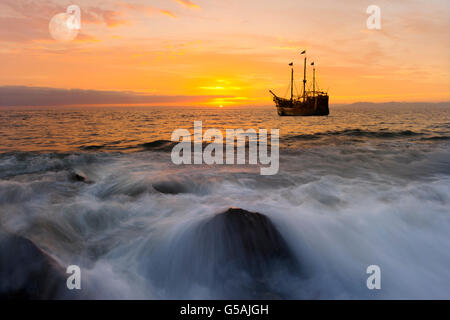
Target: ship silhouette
point(309, 103)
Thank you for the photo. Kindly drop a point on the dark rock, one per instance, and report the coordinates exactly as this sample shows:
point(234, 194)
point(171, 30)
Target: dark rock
point(248, 238)
point(236, 254)
point(170, 187)
point(26, 272)
point(79, 177)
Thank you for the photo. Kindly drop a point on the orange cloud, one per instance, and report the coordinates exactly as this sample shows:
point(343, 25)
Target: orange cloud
point(85, 38)
point(188, 3)
point(149, 10)
point(168, 13)
point(98, 15)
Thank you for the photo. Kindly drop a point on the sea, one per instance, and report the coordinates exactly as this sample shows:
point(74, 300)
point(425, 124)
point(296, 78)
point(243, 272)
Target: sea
point(369, 185)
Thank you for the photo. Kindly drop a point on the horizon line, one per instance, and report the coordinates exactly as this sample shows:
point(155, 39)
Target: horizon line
point(38, 96)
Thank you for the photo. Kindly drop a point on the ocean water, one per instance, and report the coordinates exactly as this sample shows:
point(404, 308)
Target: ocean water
point(368, 185)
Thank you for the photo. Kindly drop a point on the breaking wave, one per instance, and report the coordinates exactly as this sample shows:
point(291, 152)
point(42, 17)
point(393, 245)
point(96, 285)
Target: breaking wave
point(141, 227)
point(343, 136)
point(350, 193)
point(381, 134)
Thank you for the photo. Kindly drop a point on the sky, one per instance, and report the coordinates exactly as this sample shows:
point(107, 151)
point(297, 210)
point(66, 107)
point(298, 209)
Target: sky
point(223, 52)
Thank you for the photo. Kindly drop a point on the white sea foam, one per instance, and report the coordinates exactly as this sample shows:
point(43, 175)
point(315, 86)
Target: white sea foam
point(340, 209)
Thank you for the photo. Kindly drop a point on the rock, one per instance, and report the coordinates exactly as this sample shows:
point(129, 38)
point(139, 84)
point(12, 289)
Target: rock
point(248, 238)
point(26, 272)
point(236, 254)
point(79, 177)
point(170, 187)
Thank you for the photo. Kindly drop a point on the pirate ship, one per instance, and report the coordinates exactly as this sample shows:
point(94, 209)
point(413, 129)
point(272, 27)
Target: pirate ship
point(309, 103)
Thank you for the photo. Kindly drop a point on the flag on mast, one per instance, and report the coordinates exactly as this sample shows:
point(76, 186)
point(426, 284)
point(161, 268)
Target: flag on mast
point(312, 63)
point(303, 52)
point(291, 64)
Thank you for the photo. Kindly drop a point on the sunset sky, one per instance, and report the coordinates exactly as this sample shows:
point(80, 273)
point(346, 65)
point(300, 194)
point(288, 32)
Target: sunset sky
point(223, 52)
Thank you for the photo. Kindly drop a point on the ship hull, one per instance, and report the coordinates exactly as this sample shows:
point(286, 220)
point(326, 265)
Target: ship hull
point(313, 106)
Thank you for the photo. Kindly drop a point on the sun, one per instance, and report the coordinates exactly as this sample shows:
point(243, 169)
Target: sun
point(221, 106)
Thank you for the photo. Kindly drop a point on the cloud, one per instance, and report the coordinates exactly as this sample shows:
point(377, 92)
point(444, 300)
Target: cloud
point(188, 3)
point(168, 13)
point(28, 21)
point(22, 96)
point(98, 15)
point(149, 10)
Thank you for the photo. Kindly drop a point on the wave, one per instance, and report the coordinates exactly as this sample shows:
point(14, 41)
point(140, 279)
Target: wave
point(141, 227)
point(156, 145)
point(354, 135)
point(381, 134)
point(165, 145)
point(92, 147)
point(109, 146)
point(437, 138)
point(25, 163)
point(160, 145)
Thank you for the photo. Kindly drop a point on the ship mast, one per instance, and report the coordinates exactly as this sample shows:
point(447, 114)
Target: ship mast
point(314, 85)
point(304, 77)
point(292, 84)
point(314, 80)
point(292, 81)
point(304, 82)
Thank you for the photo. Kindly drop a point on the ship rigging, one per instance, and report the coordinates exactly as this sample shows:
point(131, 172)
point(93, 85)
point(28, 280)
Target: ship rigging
point(310, 103)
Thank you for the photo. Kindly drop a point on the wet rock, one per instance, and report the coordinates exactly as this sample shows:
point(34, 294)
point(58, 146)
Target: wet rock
point(26, 272)
point(79, 177)
point(248, 238)
point(236, 254)
point(170, 187)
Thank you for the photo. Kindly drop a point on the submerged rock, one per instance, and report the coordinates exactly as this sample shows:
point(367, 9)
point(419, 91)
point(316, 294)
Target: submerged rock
point(170, 187)
point(236, 254)
point(26, 272)
point(174, 185)
point(79, 177)
point(248, 238)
